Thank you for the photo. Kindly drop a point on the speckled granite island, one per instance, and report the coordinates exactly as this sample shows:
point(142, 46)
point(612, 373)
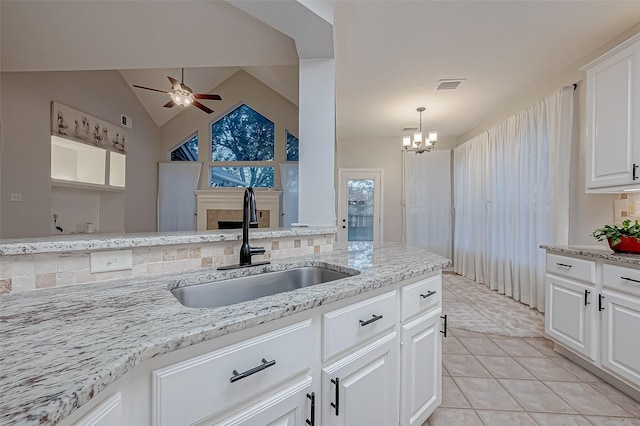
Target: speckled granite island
point(66, 349)
point(592, 311)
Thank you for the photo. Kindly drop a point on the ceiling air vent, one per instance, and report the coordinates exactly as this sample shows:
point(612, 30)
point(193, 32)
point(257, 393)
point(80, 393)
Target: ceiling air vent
point(410, 129)
point(449, 84)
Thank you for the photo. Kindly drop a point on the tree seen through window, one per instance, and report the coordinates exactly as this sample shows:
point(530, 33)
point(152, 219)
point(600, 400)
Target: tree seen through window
point(244, 137)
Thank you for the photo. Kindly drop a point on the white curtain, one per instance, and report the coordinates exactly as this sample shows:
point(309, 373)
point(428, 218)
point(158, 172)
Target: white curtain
point(511, 194)
point(428, 200)
point(177, 182)
point(289, 177)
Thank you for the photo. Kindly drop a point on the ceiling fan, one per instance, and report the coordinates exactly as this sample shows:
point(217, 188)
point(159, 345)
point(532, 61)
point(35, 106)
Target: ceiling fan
point(182, 95)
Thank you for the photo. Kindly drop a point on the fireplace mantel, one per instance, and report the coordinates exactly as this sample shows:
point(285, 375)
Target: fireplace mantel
point(231, 199)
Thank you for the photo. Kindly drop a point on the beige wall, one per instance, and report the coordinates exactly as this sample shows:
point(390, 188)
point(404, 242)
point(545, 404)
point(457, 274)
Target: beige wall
point(387, 155)
point(25, 104)
point(238, 89)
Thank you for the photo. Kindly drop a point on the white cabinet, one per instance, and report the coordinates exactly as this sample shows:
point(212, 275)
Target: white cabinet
point(613, 118)
point(107, 413)
point(596, 322)
point(620, 335)
point(362, 388)
point(569, 314)
point(421, 373)
point(218, 380)
point(292, 406)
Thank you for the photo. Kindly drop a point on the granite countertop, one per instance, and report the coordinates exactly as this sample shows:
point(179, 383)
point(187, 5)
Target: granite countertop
point(602, 252)
point(79, 242)
point(61, 346)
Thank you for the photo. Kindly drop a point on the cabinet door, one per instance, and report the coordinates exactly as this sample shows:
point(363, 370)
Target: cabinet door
point(421, 386)
point(289, 407)
point(107, 413)
point(362, 388)
point(612, 114)
point(569, 314)
point(620, 328)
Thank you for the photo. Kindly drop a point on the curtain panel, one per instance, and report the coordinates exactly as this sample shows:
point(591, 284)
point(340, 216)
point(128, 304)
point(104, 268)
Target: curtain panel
point(511, 194)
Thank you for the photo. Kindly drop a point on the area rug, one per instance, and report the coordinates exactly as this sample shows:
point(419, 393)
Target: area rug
point(474, 307)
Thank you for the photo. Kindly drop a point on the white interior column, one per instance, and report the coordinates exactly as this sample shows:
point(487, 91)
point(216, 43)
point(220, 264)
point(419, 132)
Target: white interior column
point(316, 202)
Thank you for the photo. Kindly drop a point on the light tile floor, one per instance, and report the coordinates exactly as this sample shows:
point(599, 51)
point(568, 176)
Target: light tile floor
point(495, 380)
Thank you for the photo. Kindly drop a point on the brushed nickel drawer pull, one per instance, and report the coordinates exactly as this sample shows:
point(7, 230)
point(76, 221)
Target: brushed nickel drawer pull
point(373, 319)
point(565, 265)
point(630, 279)
point(265, 364)
point(429, 293)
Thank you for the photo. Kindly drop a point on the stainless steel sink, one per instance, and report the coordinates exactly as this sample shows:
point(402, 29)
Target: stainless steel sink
point(234, 290)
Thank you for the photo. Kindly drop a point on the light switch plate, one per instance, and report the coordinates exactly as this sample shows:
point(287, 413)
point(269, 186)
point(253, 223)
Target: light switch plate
point(115, 260)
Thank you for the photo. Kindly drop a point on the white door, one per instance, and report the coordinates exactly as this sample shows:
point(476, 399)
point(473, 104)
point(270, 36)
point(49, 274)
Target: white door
point(360, 205)
point(177, 182)
point(421, 386)
point(362, 388)
point(620, 331)
point(613, 117)
point(569, 314)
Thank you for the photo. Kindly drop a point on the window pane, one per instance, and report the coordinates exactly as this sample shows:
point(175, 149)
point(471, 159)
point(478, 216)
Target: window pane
point(292, 147)
point(242, 135)
point(360, 209)
point(188, 151)
point(242, 176)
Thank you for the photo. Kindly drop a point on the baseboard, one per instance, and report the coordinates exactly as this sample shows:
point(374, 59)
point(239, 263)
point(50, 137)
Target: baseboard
point(596, 371)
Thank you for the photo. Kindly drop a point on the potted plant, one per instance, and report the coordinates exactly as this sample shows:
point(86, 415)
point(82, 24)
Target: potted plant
point(622, 239)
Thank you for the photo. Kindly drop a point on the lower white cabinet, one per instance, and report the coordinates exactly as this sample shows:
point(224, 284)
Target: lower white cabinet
point(221, 379)
point(569, 314)
point(362, 388)
point(421, 376)
point(107, 413)
point(621, 335)
point(373, 360)
point(293, 406)
point(593, 311)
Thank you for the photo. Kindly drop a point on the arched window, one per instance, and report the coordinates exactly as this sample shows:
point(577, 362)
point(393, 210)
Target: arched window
point(187, 151)
point(292, 147)
point(242, 143)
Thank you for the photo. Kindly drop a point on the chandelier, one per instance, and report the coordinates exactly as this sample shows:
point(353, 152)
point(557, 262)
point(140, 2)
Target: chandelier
point(418, 144)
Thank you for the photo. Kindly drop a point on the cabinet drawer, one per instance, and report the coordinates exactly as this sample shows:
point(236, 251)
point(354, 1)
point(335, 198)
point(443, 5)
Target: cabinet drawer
point(620, 278)
point(200, 387)
point(579, 269)
point(421, 296)
point(353, 324)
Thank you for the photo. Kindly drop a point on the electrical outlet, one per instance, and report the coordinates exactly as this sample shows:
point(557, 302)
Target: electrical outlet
point(115, 260)
point(16, 196)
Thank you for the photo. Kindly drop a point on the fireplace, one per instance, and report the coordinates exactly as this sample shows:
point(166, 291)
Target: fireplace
point(221, 208)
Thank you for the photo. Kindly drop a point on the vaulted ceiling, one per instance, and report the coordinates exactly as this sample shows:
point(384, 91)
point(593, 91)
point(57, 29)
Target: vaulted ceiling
point(389, 54)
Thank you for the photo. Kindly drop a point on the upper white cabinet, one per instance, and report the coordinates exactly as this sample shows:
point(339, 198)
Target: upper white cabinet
point(77, 163)
point(613, 119)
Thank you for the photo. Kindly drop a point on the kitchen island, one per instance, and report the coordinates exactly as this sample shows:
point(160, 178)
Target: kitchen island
point(62, 347)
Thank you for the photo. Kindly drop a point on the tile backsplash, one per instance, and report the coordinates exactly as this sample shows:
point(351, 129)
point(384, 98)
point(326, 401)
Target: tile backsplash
point(627, 206)
point(32, 271)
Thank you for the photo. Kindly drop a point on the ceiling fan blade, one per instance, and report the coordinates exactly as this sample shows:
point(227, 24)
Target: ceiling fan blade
point(207, 96)
point(149, 88)
point(202, 107)
point(169, 104)
point(174, 83)
point(186, 88)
